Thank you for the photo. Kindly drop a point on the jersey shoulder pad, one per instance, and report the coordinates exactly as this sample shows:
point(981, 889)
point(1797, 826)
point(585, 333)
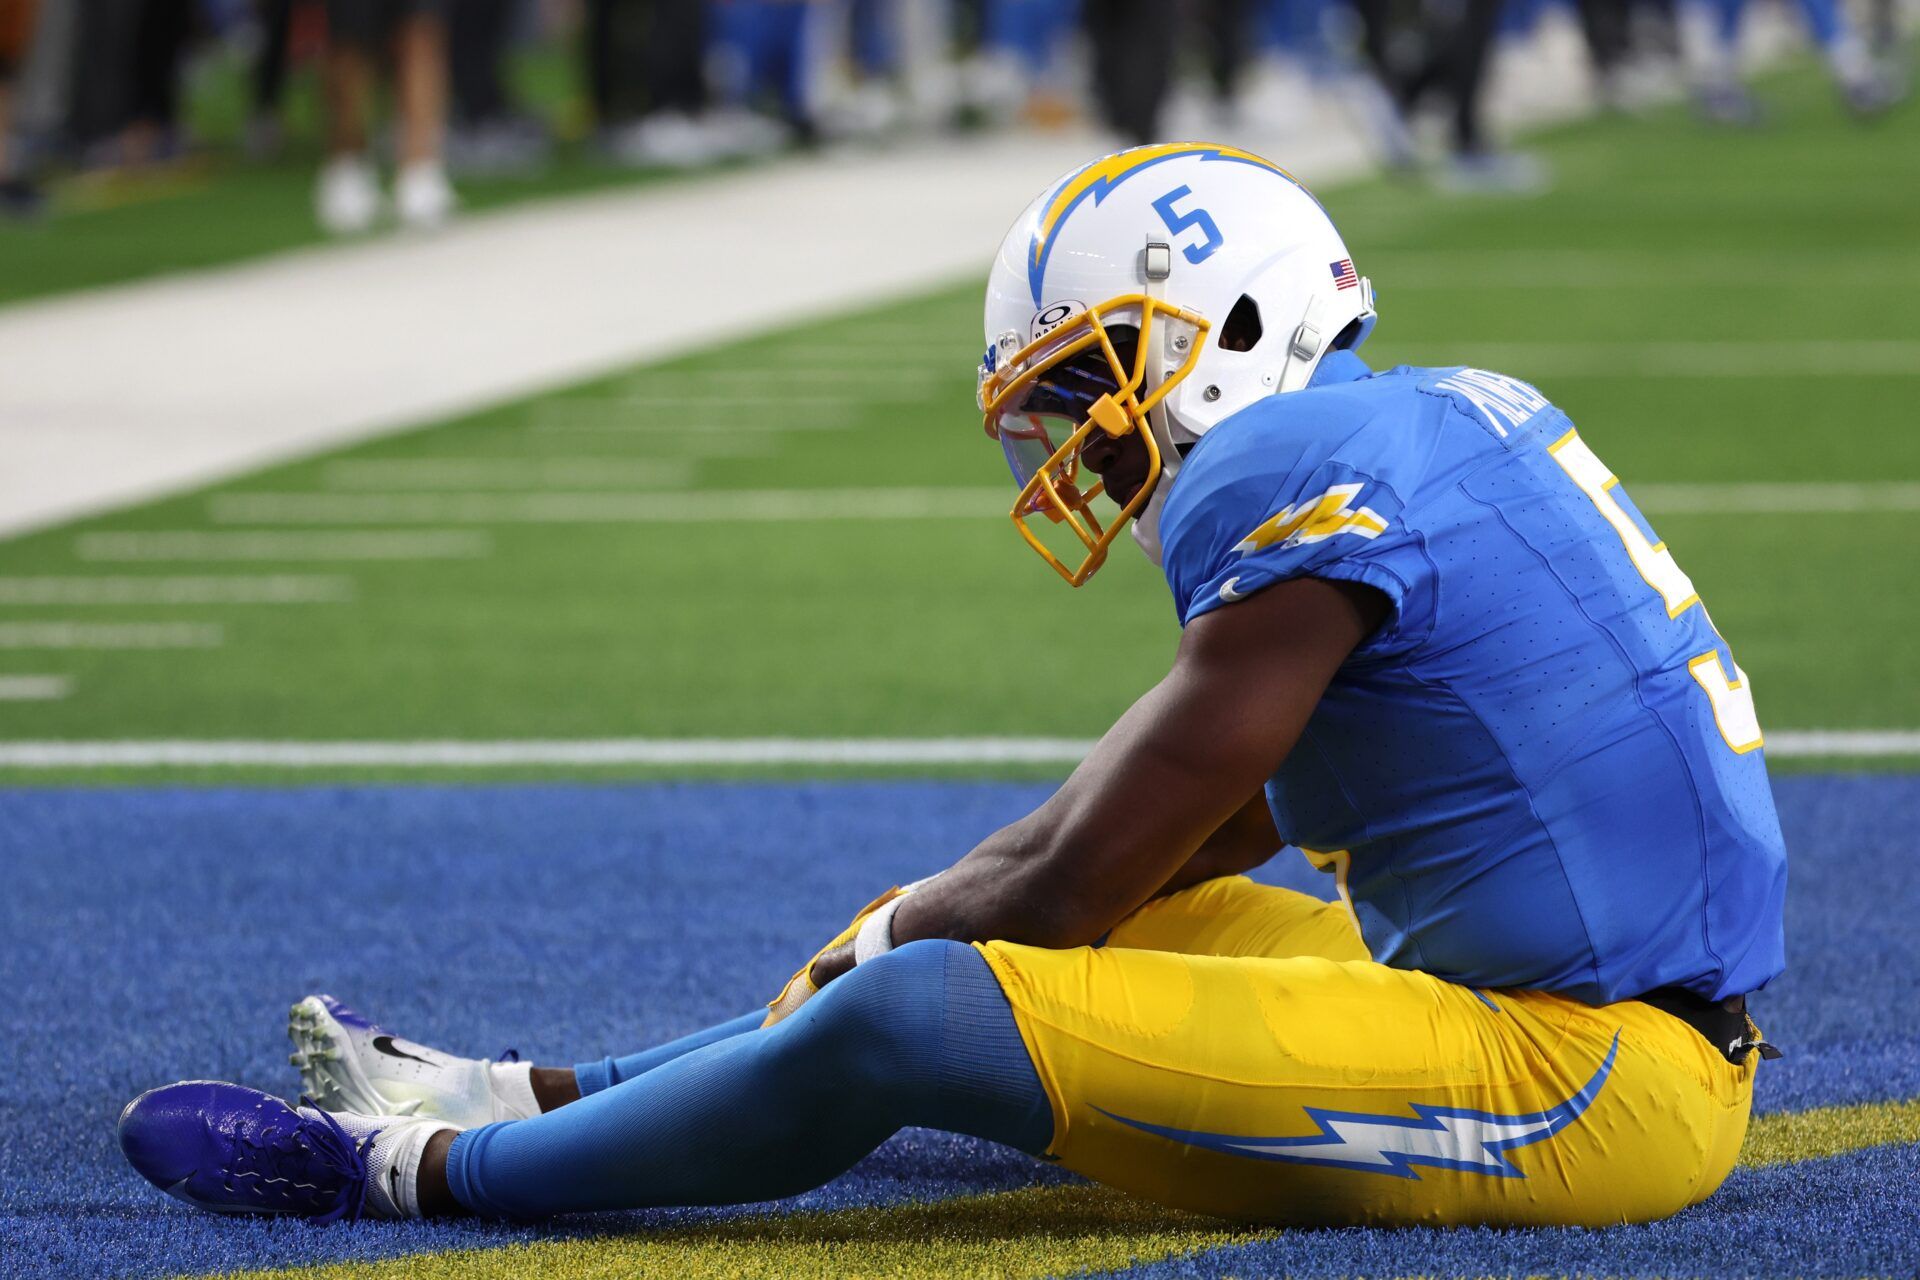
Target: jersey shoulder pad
point(1289, 487)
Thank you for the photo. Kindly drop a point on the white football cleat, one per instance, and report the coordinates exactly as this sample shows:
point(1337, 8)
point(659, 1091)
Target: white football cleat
point(348, 1064)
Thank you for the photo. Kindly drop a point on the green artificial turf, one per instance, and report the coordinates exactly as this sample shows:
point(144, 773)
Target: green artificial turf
point(1781, 259)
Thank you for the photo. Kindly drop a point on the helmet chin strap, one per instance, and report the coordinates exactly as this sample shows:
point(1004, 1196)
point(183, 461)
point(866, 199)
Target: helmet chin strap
point(1305, 347)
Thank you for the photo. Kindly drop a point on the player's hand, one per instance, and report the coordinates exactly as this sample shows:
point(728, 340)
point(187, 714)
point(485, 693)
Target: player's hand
point(826, 964)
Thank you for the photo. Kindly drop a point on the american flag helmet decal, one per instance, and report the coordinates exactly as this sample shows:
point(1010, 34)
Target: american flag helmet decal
point(1344, 276)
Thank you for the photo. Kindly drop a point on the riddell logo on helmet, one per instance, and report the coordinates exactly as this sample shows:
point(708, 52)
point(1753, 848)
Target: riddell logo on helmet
point(1048, 319)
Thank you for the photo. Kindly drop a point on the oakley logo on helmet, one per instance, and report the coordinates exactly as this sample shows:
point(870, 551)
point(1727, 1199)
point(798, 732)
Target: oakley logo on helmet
point(1048, 319)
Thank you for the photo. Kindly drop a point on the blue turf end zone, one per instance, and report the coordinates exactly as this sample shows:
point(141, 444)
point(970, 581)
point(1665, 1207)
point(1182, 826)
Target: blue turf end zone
point(153, 935)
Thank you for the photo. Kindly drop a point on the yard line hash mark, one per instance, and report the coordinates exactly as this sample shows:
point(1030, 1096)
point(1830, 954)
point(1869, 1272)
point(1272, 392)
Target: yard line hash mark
point(234, 589)
point(350, 544)
point(111, 635)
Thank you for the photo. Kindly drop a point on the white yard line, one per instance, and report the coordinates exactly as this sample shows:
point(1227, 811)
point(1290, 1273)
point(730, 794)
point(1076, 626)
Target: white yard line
point(197, 545)
point(677, 752)
point(1635, 268)
point(801, 506)
point(766, 505)
point(1537, 361)
point(862, 382)
point(620, 414)
point(1774, 499)
point(111, 635)
point(34, 688)
point(231, 589)
point(507, 473)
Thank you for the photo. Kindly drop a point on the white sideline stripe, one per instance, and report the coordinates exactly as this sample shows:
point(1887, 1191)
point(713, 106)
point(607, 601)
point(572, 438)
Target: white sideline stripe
point(703, 751)
point(355, 544)
point(769, 505)
point(111, 635)
point(1812, 358)
point(1776, 499)
point(235, 589)
point(34, 688)
point(506, 473)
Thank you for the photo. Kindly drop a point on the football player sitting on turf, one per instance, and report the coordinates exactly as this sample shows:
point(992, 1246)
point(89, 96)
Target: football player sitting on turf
point(1426, 638)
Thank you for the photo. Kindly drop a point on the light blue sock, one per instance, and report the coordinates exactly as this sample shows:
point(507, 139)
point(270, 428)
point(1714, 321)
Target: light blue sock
point(592, 1077)
point(920, 1036)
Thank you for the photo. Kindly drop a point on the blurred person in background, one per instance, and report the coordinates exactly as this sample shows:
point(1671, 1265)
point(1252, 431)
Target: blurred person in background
point(489, 135)
point(19, 198)
point(125, 90)
point(1438, 50)
point(647, 80)
point(1020, 68)
point(1721, 92)
point(347, 198)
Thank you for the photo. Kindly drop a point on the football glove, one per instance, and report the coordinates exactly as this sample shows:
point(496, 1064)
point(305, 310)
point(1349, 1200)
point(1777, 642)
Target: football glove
point(800, 987)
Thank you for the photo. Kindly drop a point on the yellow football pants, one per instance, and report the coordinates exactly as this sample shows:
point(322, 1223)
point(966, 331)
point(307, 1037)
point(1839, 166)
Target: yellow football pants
point(1231, 1049)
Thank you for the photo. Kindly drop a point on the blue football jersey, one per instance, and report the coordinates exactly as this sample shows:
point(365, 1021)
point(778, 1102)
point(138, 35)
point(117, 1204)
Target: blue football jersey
point(1543, 769)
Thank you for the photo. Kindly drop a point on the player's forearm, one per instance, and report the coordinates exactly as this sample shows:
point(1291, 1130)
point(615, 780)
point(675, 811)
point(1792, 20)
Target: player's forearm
point(1009, 889)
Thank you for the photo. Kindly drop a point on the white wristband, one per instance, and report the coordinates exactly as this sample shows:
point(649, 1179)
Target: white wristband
point(876, 933)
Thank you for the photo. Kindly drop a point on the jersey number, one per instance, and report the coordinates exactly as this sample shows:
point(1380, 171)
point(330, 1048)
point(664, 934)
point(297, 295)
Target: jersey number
point(1199, 218)
point(1732, 698)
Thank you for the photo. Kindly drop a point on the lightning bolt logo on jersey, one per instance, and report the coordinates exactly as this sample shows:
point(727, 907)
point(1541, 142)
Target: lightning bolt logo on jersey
point(1436, 1137)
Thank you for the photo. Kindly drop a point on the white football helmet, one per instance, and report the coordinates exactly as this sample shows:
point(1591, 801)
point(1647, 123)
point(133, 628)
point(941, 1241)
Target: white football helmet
point(1158, 290)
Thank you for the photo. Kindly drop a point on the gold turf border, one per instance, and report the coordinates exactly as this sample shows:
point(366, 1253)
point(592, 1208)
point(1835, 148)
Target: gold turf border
point(1030, 1233)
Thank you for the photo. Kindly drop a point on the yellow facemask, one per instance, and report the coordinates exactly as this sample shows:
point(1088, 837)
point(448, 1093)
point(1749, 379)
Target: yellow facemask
point(1042, 429)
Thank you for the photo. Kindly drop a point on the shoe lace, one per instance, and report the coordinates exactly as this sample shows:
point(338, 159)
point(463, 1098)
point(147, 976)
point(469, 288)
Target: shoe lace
point(293, 1164)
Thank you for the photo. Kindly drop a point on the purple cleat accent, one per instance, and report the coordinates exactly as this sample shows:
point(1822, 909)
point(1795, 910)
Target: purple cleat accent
point(347, 1016)
point(229, 1149)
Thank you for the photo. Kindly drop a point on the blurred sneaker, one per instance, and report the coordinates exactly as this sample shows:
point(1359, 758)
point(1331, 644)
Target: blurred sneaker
point(510, 146)
point(21, 199)
point(347, 1063)
point(1494, 173)
point(668, 140)
point(1872, 95)
point(739, 133)
point(1727, 104)
point(347, 198)
point(422, 196)
point(229, 1149)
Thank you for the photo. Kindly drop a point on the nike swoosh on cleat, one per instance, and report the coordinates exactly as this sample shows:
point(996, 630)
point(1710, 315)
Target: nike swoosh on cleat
point(384, 1044)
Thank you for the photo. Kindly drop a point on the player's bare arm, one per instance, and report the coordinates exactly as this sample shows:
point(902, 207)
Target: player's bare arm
point(1166, 786)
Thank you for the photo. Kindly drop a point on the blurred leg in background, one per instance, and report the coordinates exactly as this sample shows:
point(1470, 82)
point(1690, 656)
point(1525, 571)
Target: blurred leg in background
point(125, 94)
point(1721, 93)
point(359, 33)
point(1133, 48)
point(1017, 73)
point(647, 80)
point(19, 198)
point(267, 86)
point(489, 135)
